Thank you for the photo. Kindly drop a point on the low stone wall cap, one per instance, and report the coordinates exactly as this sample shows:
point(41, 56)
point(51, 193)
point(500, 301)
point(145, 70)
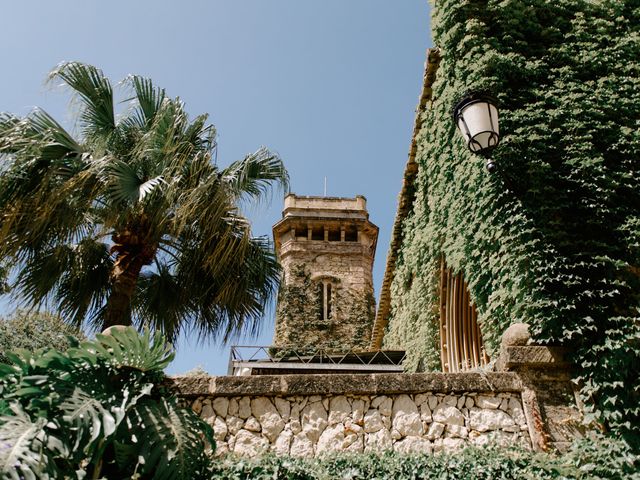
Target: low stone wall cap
point(338, 384)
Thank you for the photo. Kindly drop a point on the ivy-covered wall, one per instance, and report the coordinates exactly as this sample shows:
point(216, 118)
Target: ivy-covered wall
point(298, 317)
point(552, 240)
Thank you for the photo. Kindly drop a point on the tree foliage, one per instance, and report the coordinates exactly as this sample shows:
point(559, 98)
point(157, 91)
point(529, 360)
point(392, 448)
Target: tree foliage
point(553, 239)
point(32, 331)
point(134, 222)
point(97, 410)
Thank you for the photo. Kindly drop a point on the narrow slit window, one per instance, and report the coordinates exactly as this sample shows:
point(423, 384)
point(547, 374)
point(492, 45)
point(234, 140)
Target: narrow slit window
point(326, 301)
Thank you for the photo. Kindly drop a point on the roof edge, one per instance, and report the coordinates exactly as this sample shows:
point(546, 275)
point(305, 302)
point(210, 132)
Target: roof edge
point(405, 201)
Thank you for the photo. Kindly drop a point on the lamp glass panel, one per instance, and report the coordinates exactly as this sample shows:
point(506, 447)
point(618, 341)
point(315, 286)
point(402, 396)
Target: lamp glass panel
point(483, 140)
point(483, 128)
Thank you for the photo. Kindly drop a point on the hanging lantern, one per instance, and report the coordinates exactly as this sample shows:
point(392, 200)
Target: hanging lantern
point(476, 115)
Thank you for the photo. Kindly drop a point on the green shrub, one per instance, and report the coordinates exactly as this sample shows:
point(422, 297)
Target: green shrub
point(97, 410)
point(34, 330)
point(599, 459)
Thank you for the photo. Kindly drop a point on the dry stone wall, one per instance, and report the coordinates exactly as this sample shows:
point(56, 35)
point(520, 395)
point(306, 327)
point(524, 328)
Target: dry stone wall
point(315, 425)
point(530, 401)
point(310, 415)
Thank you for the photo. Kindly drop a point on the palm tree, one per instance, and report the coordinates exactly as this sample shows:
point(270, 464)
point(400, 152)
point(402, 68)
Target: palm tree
point(134, 223)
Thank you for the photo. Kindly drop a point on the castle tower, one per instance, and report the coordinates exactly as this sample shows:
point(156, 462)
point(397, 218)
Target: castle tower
point(326, 246)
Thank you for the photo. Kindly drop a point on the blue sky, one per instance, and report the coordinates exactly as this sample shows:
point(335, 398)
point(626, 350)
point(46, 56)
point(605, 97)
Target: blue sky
point(331, 85)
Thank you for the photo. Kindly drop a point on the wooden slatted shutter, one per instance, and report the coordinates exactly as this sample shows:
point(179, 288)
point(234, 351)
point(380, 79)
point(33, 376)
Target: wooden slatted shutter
point(460, 338)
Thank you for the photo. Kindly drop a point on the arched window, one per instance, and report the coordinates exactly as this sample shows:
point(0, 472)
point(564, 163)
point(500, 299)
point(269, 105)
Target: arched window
point(461, 345)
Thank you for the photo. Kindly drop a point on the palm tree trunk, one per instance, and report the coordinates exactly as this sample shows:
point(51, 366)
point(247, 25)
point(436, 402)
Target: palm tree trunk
point(123, 284)
point(134, 249)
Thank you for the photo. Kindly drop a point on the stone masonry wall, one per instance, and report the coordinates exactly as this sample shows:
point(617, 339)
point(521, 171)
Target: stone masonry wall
point(309, 415)
point(320, 424)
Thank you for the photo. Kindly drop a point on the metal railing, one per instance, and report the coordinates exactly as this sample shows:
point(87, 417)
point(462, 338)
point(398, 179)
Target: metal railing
point(279, 355)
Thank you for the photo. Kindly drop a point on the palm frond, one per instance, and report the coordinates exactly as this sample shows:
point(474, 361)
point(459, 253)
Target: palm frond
point(36, 208)
point(61, 143)
point(229, 300)
point(75, 277)
point(161, 303)
point(163, 143)
point(8, 123)
point(124, 184)
point(39, 147)
point(149, 98)
point(253, 176)
point(38, 134)
point(95, 91)
point(84, 284)
point(201, 135)
point(41, 272)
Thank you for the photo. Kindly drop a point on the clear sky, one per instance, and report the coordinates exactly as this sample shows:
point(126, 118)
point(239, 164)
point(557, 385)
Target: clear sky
point(331, 85)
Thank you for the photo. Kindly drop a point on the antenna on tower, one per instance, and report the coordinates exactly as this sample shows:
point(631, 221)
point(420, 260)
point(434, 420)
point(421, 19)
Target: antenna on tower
point(325, 186)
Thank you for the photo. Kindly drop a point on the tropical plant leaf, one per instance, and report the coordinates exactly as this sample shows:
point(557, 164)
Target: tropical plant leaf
point(172, 440)
point(95, 411)
point(86, 415)
point(126, 348)
point(21, 444)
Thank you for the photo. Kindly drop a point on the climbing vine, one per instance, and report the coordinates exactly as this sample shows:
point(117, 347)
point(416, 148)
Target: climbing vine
point(554, 239)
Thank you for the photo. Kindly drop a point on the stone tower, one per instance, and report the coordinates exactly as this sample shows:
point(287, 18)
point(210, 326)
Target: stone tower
point(326, 246)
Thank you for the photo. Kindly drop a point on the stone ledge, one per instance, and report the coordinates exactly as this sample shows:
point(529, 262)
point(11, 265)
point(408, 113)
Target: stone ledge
point(531, 356)
point(354, 384)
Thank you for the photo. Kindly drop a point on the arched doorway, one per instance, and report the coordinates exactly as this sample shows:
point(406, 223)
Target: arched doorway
point(461, 346)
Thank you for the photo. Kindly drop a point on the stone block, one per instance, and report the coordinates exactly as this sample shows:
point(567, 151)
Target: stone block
point(221, 406)
point(484, 420)
point(532, 356)
point(373, 421)
point(405, 417)
point(448, 415)
point(339, 409)
point(249, 444)
point(412, 444)
point(516, 335)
